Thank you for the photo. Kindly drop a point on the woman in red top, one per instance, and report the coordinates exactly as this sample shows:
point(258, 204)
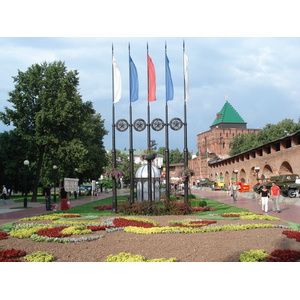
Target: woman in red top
point(275, 194)
point(64, 200)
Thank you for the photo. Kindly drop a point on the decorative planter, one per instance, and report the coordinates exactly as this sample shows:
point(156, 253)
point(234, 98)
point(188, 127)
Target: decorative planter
point(150, 156)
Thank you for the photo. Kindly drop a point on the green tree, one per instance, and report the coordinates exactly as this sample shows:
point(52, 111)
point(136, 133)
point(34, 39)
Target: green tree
point(48, 113)
point(269, 133)
point(122, 165)
point(175, 155)
point(13, 152)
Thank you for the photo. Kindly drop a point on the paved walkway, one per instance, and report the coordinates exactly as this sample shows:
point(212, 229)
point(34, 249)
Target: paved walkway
point(7, 214)
point(289, 211)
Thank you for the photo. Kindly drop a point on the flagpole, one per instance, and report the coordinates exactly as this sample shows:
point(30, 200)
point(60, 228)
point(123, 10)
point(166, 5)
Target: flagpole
point(131, 156)
point(114, 187)
point(167, 137)
point(149, 165)
point(185, 151)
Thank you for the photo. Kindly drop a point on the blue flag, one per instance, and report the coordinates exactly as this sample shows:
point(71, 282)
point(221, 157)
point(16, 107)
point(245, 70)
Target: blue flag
point(134, 81)
point(169, 82)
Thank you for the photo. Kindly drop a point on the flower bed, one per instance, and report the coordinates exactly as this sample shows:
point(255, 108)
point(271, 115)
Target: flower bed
point(11, 255)
point(284, 256)
point(128, 257)
point(259, 217)
point(202, 208)
point(51, 217)
point(191, 223)
point(39, 256)
point(230, 215)
point(253, 256)
point(131, 221)
point(3, 235)
point(22, 233)
point(53, 232)
point(103, 207)
point(292, 234)
point(178, 229)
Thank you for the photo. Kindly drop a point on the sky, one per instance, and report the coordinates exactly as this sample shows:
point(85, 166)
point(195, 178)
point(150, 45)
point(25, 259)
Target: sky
point(252, 63)
point(260, 76)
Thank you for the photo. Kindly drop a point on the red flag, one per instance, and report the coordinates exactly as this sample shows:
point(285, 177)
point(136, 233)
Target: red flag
point(151, 80)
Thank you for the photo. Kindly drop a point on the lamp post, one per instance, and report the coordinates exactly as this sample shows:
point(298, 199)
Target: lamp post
point(26, 164)
point(256, 169)
point(54, 175)
point(235, 172)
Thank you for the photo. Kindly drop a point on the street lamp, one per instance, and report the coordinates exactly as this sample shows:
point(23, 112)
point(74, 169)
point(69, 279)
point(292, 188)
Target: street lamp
point(26, 164)
point(54, 175)
point(235, 172)
point(256, 169)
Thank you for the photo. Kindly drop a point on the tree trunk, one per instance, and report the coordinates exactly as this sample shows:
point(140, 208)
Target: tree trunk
point(42, 151)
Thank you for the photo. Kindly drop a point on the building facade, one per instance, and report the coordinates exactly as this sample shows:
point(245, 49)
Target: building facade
point(258, 164)
point(215, 143)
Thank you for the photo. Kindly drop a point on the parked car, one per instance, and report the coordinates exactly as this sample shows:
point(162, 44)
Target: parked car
point(288, 184)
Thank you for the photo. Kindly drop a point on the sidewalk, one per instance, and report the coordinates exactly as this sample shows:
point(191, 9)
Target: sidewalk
point(9, 215)
point(289, 211)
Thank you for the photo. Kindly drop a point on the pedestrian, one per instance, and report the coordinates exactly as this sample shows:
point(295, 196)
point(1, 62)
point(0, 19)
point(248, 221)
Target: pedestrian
point(233, 191)
point(275, 194)
point(64, 205)
point(47, 194)
point(264, 194)
point(4, 192)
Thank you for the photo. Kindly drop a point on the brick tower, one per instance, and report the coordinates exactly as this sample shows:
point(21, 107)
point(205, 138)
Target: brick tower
point(215, 143)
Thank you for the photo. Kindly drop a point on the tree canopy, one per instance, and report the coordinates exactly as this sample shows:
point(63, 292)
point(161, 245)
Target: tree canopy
point(269, 133)
point(49, 115)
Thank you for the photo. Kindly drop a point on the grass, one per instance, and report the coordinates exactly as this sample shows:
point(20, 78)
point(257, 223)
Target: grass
point(88, 208)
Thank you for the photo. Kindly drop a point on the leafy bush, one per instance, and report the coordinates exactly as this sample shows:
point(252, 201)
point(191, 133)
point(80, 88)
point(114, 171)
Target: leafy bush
point(128, 257)
point(167, 207)
point(253, 256)
point(39, 257)
point(198, 203)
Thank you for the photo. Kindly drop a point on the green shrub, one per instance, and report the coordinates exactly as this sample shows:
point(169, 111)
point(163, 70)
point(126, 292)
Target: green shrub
point(198, 203)
point(253, 256)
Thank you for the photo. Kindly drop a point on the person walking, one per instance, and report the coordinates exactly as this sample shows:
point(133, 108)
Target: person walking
point(4, 192)
point(64, 200)
point(233, 190)
point(264, 194)
point(275, 194)
point(47, 194)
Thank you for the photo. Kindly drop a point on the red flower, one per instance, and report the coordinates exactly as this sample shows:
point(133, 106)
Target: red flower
point(284, 256)
point(230, 215)
point(3, 235)
point(53, 232)
point(72, 216)
point(292, 234)
point(98, 227)
point(103, 207)
point(203, 208)
point(121, 222)
point(11, 255)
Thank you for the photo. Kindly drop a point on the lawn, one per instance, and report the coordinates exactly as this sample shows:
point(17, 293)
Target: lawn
point(88, 208)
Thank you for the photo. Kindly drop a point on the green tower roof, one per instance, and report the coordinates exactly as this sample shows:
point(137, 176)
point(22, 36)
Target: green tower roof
point(228, 115)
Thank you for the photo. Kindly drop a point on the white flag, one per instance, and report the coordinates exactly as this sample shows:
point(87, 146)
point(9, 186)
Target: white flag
point(117, 82)
point(186, 77)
